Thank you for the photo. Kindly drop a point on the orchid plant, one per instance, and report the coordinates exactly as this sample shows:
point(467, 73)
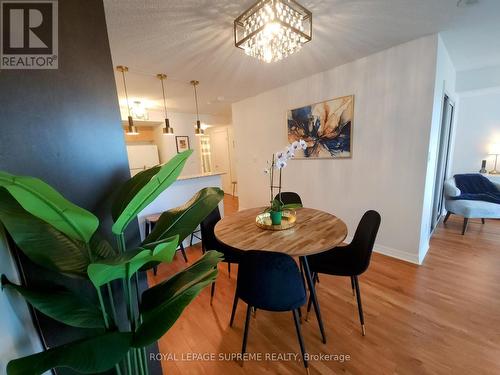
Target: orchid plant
point(278, 163)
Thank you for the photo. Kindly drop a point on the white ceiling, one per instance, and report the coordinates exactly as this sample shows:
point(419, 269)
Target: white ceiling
point(193, 39)
point(476, 45)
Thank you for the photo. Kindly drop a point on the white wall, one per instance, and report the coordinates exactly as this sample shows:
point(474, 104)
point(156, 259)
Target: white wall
point(394, 96)
point(478, 126)
point(18, 335)
point(183, 124)
point(444, 84)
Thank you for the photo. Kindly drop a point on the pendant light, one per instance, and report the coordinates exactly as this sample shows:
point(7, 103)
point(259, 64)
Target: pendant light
point(132, 129)
point(198, 130)
point(167, 130)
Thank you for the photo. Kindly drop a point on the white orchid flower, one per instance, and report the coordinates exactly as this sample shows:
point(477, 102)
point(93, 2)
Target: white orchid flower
point(290, 154)
point(280, 155)
point(295, 146)
point(303, 144)
point(281, 164)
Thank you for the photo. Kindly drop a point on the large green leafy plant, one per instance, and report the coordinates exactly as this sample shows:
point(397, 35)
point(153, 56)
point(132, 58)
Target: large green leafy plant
point(62, 237)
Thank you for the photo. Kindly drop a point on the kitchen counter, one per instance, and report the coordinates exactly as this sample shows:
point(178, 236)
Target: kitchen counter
point(179, 193)
point(190, 177)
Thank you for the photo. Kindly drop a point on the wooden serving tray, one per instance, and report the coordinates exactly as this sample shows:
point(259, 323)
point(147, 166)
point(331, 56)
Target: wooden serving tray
point(288, 221)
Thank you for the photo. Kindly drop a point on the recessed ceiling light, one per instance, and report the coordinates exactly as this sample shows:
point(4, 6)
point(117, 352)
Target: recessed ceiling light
point(466, 3)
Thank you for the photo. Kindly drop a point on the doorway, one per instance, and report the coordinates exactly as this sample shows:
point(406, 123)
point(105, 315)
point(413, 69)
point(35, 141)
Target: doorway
point(221, 163)
point(443, 160)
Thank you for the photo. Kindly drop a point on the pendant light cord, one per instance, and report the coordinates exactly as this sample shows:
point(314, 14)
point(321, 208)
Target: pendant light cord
point(164, 100)
point(196, 101)
point(126, 93)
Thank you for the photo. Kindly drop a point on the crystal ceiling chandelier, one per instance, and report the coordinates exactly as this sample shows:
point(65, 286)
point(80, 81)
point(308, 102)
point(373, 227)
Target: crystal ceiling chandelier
point(271, 30)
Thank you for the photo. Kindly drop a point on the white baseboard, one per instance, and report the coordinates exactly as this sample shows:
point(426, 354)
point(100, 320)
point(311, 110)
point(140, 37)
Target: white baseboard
point(394, 253)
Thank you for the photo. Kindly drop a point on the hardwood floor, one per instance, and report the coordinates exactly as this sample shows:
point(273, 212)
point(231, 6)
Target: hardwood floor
point(440, 318)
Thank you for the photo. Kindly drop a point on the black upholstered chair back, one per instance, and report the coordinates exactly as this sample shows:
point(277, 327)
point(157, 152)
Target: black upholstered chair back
point(289, 197)
point(364, 240)
point(270, 281)
point(207, 227)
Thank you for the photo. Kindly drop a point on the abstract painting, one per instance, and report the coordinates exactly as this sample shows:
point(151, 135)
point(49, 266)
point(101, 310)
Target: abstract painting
point(326, 127)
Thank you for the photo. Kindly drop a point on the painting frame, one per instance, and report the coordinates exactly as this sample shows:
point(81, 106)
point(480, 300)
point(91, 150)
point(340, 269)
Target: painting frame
point(350, 102)
point(182, 143)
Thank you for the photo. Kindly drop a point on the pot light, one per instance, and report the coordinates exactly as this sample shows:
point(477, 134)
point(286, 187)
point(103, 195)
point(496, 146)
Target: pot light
point(139, 110)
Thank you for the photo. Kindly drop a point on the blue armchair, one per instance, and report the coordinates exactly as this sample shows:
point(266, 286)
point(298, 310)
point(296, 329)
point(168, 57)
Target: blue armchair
point(466, 208)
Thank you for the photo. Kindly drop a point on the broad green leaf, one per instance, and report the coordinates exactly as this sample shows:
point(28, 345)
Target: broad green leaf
point(130, 188)
point(42, 201)
point(87, 356)
point(101, 249)
point(292, 206)
point(279, 207)
point(60, 304)
point(45, 245)
point(168, 288)
point(165, 177)
point(184, 220)
point(163, 304)
point(125, 265)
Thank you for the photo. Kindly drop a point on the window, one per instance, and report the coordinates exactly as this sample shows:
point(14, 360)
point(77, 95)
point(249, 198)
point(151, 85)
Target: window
point(206, 156)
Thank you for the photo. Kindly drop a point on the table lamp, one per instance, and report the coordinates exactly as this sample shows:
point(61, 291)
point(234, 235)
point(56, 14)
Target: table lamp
point(495, 150)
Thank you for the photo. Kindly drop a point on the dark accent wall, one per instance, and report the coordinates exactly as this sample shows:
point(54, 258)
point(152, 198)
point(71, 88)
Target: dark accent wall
point(64, 127)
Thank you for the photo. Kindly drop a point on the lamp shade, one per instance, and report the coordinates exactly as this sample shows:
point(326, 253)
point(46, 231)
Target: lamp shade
point(494, 149)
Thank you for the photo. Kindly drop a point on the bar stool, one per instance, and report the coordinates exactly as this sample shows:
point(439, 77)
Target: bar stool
point(150, 222)
point(234, 186)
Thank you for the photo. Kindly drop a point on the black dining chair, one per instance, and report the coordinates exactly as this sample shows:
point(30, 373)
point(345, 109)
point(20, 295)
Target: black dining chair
point(289, 197)
point(210, 242)
point(351, 260)
point(270, 281)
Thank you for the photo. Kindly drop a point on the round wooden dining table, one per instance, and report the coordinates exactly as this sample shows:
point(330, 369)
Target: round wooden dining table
point(314, 232)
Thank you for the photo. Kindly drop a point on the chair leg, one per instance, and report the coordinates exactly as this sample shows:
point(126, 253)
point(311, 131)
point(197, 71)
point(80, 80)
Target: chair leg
point(464, 228)
point(212, 292)
point(447, 217)
point(312, 291)
point(245, 334)
point(191, 241)
point(483, 221)
point(360, 307)
point(233, 311)
point(352, 286)
point(183, 253)
point(301, 341)
point(309, 303)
